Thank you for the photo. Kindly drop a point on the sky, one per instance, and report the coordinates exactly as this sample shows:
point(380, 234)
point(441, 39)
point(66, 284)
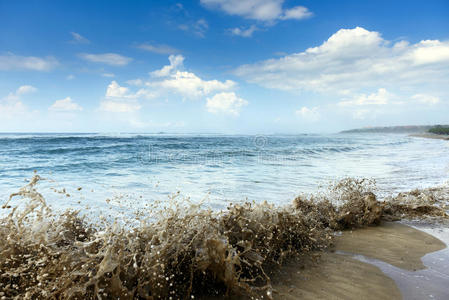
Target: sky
point(222, 66)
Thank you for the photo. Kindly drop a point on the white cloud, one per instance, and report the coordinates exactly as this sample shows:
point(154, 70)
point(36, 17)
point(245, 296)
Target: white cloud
point(70, 77)
point(166, 81)
point(244, 32)
point(78, 38)
point(12, 105)
point(185, 83)
point(298, 13)
point(16, 62)
point(381, 97)
point(112, 59)
point(160, 49)
point(261, 10)
point(109, 75)
point(426, 99)
point(114, 90)
point(25, 89)
point(308, 114)
point(65, 105)
point(430, 51)
point(353, 60)
point(119, 106)
point(176, 61)
point(22, 90)
point(228, 103)
point(8, 110)
point(190, 85)
point(120, 99)
point(198, 27)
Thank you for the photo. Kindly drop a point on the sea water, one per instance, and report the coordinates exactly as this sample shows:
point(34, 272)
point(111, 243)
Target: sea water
point(87, 169)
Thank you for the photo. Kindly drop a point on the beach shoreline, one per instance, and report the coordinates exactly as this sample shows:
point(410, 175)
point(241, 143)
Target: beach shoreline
point(394, 260)
point(247, 250)
point(431, 136)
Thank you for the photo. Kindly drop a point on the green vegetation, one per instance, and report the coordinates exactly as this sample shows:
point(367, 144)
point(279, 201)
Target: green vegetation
point(439, 129)
point(410, 129)
point(391, 129)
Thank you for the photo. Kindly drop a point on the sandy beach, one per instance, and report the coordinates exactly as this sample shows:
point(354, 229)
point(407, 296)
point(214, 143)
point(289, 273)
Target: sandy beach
point(311, 249)
point(391, 261)
point(431, 136)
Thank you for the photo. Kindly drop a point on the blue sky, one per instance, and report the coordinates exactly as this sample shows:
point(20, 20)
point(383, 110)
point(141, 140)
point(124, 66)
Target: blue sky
point(223, 66)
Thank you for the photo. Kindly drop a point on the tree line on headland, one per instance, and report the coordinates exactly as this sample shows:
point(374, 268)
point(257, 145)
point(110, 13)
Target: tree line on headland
point(439, 129)
point(435, 129)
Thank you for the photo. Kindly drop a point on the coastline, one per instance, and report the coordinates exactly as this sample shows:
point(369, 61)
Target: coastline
point(310, 249)
point(431, 136)
point(393, 260)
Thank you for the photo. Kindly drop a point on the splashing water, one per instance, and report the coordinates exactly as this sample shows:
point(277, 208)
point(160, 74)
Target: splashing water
point(174, 252)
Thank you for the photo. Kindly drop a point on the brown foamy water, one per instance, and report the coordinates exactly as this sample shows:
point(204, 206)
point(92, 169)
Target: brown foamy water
point(175, 252)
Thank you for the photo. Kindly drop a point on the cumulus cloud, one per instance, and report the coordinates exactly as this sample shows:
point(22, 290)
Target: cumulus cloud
point(190, 85)
point(185, 83)
point(9, 109)
point(430, 52)
point(32, 63)
point(120, 99)
point(159, 49)
point(78, 38)
point(308, 114)
point(114, 90)
point(260, 10)
point(298, 13)
point(12, 104)
point(170, 80)
point(248, 32)
point(381, 97)
point(176, 61)
point(65, 105)
point(352, 60)
point(22, 90)
point(228, 103)
point(112, 59)
point(25, 89)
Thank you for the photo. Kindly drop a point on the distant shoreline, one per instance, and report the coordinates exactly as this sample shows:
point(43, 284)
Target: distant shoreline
point(431, 136)
point(410, 129)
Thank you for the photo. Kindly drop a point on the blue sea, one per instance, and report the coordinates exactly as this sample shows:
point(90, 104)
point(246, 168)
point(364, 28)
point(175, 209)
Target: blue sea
point(88, 169)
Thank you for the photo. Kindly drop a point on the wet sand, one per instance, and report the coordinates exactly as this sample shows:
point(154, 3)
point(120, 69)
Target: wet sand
point(431, 136)
point(394, 243)
point(372, 263)
point(335, 276)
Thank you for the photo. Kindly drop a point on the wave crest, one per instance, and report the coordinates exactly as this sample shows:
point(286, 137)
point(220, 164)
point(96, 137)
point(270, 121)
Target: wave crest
point(187, 251)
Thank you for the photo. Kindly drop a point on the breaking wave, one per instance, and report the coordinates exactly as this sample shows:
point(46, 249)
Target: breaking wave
point(180, 251)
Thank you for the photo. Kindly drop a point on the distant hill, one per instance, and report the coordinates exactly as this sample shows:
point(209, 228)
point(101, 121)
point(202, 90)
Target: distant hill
point(392, 129)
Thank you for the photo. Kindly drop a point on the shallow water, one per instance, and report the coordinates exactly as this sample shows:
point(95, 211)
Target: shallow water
point(430, 283)
point(215, 169)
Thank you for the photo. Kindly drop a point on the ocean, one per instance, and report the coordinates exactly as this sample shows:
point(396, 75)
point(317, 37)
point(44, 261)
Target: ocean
point(215, 170)
point(156, 216)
